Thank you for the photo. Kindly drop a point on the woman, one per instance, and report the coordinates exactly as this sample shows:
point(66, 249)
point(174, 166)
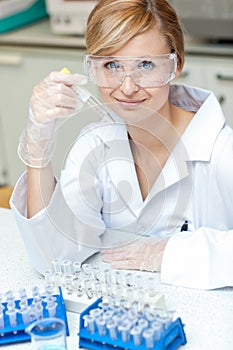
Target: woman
point(164, 161)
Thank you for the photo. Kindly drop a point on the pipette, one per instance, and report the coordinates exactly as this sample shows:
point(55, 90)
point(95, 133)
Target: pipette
point(86, 97)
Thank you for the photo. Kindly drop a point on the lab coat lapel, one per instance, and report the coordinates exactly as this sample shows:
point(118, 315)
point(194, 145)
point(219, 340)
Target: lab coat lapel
point(122, 172)
point(174, 170)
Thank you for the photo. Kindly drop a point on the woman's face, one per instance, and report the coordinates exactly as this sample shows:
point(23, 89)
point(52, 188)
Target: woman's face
point(128, 98)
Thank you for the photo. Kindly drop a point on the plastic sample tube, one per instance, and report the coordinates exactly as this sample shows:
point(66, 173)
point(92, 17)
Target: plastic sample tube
point(86, 97)
point(25, 315)
point(90, 323)
point(101, 326)
point(66, 265)
point(112, 328)
point(148, 335)
point(157, 329)
point(12, 317)
point(2, 322)
point(76, 267)
point(124, 329)
point(143, 324)
point(51, 307)
point(57, 265)
point(69, 284)
point(137, 335)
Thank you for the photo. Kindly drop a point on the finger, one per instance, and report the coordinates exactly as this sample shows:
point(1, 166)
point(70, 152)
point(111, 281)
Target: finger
point(67, 78)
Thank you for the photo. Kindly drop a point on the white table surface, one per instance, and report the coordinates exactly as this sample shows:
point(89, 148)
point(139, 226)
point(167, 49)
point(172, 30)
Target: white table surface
point(207, 315)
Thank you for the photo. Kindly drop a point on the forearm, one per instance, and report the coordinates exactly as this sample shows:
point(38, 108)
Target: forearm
point(41, 185)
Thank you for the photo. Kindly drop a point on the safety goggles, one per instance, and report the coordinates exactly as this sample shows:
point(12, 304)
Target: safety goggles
point(146, 72)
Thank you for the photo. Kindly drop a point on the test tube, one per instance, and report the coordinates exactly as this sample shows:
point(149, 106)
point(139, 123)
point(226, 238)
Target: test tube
point(157, 328)
point(101, 326)
point(57, 265)
point(12, 317)
point(25, 315)
point(118, 278)
point(2, 321)
point(124, 329)
point(96, 313)
point(89, 323)
point(38, 311)
point(139, 281)
point(96, 273)
point(107, 315)
point(57, 278)
point(143, 324)
point(48, 276)
point(69, 284)
point(112, 328)
point(136, 333)
point(148, 335)
point(86, 270)
point(107, 276)
point(88, 288)
point(51, 307)
point(76, 267)
point(129, 279)
point(66, 265)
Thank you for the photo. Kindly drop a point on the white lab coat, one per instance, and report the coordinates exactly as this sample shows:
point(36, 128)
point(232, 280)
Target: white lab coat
point(98, 192)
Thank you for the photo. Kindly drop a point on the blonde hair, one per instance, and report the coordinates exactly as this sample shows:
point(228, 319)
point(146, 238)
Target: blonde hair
point(112, 23)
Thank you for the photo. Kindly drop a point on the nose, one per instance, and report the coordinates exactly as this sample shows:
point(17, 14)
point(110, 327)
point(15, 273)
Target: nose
point(128, 85)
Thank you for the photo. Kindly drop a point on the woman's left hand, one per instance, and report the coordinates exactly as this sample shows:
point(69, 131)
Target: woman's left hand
point(144, 254)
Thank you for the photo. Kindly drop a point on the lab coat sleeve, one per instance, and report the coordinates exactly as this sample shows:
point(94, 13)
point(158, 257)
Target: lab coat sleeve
point(201, 259)
point(52, 232)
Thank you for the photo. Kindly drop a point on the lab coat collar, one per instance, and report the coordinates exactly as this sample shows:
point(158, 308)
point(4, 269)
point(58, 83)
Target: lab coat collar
point(195, 144)
point(201, 133)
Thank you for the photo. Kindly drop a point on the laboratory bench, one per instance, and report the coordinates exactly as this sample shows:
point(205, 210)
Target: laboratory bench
point(207, 315)
point(28, 54)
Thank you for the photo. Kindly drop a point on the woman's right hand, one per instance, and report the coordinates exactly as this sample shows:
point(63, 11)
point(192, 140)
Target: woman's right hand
point(52, 99)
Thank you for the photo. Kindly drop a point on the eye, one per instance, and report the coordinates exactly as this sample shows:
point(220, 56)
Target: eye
point(113, 65)
point(146, 65)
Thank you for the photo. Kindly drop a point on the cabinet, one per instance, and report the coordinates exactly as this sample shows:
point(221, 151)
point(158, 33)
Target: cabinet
point(20, 69)
point(212, 73)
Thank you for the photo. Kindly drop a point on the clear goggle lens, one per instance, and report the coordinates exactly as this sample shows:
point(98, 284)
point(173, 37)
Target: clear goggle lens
point(146, 72)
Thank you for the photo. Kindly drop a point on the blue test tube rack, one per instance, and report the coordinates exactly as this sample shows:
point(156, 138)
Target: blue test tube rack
point(17, 334)
point(171, 338)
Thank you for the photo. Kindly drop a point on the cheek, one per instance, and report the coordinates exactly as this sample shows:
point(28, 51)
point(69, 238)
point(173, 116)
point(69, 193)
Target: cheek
point(159, 98)
point(105, 94)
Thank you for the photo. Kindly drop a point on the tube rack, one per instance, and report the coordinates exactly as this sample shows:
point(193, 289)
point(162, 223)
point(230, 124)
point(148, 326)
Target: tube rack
point(171, 337)
point(13, 334)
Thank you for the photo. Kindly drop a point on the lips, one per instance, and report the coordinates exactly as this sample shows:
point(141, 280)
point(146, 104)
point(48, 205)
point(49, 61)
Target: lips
point(130, 104)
